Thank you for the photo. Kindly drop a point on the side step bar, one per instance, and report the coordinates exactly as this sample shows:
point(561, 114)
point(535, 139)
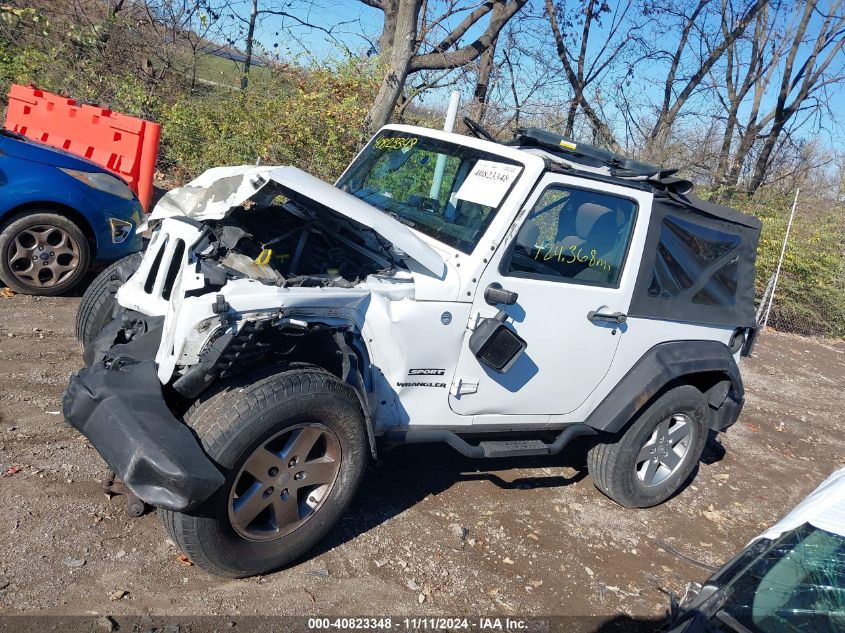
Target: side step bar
point(492, 448)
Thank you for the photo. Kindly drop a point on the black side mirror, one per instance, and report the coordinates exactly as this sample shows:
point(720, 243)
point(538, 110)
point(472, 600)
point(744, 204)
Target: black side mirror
point(494, 295)
point(495, 344)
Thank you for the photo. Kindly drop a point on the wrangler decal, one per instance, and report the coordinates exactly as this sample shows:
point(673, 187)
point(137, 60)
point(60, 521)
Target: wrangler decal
point(439, 385)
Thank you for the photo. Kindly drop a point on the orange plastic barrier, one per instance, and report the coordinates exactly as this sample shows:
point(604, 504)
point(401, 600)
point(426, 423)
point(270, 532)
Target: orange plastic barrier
point(123, 144)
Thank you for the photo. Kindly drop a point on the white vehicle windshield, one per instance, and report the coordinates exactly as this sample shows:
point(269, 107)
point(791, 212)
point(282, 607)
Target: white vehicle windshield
point(445, 190)
point(798, 584)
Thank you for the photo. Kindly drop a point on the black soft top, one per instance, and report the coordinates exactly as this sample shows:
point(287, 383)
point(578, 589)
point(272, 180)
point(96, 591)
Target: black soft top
point(720, 212)
point(698, 263)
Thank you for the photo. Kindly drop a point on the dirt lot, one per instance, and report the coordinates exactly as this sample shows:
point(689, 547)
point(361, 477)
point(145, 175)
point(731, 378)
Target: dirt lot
point(541, 539)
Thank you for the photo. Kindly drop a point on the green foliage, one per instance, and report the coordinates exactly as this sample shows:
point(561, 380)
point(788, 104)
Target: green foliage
point(309, 118)
point(80, 63)
point(810, 296)
point(21, 66)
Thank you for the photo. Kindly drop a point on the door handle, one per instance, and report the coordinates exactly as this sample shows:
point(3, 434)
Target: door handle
point(615, 317)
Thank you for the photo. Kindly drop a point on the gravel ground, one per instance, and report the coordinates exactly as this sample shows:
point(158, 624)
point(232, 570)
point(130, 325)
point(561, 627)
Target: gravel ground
point(430, 531)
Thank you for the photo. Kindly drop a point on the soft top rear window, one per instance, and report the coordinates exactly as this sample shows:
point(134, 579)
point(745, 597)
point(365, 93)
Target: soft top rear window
point(696, 268)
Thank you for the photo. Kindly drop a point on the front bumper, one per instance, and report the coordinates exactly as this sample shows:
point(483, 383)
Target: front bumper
point(120, 409)
point(101, 207)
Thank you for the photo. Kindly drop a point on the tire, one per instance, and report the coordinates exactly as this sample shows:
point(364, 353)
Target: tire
point(630, 469)
point(235, 425)
point(48, 239)
point(97, 305)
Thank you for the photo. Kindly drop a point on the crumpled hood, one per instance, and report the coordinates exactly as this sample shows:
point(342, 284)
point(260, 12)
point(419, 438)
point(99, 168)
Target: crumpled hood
point(214, 193)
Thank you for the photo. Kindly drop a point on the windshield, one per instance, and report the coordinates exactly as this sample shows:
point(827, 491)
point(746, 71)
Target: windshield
point(447, 191)
point(797, 585)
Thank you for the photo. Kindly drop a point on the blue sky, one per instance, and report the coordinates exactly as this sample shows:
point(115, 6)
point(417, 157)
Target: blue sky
point(354, 25)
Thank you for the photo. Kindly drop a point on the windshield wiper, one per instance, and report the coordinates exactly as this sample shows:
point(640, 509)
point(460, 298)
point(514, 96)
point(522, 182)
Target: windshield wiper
point(731, 622)
point(401, 219)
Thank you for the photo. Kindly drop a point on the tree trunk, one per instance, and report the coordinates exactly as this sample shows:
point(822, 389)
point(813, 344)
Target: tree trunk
point(482, 84)
point(400, 54)
point(725, 150)
point(734, 167)
point(388, 32)
point(250, 38)
point(570, 115)
point(761, 165)
point(485, 69)
point(396, 65)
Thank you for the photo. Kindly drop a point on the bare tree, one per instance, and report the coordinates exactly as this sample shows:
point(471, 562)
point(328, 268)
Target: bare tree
point(741, 76)
point(586, 63)
point(249, 14)
point(803, 78)
point(405, 43)
point(793, 57)
point(525, 84)
point(695, 49)
point(178, 34)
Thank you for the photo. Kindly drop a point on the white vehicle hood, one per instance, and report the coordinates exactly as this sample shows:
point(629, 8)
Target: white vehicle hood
point(214, 193)
point(823, 508)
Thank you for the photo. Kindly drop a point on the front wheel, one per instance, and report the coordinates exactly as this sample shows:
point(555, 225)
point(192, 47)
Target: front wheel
point(650, 461)
point(97, 305)
point(293, 447)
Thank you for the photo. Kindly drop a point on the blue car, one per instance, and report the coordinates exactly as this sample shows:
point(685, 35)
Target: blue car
point(59, 214)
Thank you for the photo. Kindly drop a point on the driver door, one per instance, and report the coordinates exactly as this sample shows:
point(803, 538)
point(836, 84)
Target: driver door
point(566, 259)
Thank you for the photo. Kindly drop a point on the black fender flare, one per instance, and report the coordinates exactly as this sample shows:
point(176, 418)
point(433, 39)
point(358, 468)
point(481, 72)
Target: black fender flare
point(658, 367)
point(355, 359)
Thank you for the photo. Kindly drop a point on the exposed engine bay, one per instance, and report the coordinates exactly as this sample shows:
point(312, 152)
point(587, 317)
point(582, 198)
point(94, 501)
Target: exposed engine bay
point(251, 265)
point(283, 244)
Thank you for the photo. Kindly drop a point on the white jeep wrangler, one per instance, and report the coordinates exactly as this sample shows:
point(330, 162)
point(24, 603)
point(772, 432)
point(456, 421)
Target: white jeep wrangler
point(279, 331)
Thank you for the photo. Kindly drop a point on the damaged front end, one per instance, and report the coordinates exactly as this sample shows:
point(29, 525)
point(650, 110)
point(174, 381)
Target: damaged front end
point(243, 271)
point(120, 409)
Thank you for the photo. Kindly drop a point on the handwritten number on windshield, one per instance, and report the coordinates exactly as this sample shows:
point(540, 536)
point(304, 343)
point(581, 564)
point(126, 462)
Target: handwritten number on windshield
point(396, 142)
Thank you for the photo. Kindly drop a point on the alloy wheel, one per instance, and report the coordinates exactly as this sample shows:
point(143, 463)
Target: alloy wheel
point(664, 452)
point(284, 481)
point(43, 256)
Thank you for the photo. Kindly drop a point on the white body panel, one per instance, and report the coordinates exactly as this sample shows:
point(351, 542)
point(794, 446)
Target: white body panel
point(823, 508)
point(567, 355)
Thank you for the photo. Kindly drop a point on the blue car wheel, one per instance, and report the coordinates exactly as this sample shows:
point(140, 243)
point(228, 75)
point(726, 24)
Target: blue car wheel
point(42, 253)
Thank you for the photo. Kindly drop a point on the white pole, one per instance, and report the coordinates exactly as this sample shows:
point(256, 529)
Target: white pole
point(448, 126)
point(452, 111)
point(780, 260)
point(764, 300)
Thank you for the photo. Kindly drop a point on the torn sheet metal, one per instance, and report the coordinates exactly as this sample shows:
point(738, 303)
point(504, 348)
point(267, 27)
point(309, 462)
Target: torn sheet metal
point(212, 194)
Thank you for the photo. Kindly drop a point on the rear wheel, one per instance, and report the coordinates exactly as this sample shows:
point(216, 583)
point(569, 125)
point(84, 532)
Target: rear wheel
point(293, 447)
point(43, 254)
point(98, 302)
point(650, 461)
